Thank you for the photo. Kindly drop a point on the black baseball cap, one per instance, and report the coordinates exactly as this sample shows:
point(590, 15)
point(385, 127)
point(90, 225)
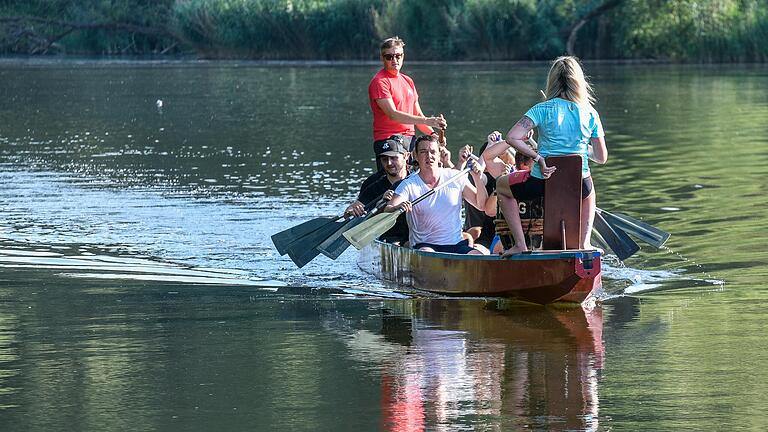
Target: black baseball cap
point(391, 146)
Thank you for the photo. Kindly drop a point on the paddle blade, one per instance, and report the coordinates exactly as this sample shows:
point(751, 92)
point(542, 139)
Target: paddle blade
point(641, 230)
point(335, 248)
point(368, 230)
point(598, 241)
point(305, 249)
point(284, 238)
point(336, 244)
point(616, 240)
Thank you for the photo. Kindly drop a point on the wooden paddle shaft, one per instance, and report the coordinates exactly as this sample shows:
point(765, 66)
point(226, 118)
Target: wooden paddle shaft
point(441, 135)
point(442, 185)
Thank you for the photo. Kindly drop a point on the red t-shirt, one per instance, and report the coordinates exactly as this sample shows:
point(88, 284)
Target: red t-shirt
point(402, 91)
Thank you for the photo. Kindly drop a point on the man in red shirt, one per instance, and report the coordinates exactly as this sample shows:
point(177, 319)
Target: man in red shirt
point(394, 100)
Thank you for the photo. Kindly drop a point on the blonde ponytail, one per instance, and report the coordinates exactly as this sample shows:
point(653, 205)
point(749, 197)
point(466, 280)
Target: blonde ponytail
point(566, 80)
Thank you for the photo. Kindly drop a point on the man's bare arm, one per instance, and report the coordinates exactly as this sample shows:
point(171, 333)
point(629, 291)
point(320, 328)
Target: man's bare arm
point(388, 106)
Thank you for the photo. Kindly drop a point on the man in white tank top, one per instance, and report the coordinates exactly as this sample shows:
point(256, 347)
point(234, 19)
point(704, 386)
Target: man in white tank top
point(435, 223)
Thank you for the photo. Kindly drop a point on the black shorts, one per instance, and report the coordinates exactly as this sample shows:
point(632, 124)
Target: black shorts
point(534, 188)
point(461, 247)
point(472, 216)
point(586, 187)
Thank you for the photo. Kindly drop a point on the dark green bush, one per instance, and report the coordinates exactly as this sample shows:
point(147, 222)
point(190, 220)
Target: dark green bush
point(677, 30)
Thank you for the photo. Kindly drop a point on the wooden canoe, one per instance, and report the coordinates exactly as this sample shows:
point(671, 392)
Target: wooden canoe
point(544, 277)
point(558, 274)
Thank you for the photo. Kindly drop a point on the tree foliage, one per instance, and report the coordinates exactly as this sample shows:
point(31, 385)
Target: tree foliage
point(713, 30)
point(677, 30)
point(95, 26)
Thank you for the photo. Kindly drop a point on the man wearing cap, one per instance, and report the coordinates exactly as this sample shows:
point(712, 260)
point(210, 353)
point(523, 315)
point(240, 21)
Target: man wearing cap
point(394, 100)
point(392, 155)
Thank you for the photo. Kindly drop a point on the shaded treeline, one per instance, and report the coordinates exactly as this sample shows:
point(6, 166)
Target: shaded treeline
point(677, 30)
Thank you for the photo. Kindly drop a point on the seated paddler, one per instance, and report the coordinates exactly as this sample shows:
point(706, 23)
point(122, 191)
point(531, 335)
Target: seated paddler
point(379, 186)
point(567, 124)
point(435, 223)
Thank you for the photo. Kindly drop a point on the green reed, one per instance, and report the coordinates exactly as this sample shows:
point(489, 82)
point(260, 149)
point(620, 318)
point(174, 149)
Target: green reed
point(675, 30)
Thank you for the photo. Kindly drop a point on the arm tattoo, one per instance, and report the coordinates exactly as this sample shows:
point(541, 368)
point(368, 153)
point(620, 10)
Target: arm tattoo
point(525, 123)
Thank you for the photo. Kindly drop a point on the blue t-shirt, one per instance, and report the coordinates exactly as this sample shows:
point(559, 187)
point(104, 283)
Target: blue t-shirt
point(565, 128)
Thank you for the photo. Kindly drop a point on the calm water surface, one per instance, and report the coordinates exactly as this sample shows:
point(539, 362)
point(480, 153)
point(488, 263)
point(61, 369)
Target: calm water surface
point(139, 289)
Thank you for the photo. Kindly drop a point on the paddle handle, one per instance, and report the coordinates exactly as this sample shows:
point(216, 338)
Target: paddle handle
point(377, 209)
point(441, 135)
point(376, 206)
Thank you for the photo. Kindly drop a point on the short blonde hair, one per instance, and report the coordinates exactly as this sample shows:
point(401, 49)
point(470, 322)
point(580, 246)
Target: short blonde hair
point(566, 80)
point(394, 41)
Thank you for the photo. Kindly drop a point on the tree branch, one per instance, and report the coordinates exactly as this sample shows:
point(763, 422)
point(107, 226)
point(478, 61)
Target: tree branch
point(574, 29)
point(133, 28)
point(22, 27)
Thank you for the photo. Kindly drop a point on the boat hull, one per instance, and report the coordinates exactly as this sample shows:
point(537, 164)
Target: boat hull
point(570, 276)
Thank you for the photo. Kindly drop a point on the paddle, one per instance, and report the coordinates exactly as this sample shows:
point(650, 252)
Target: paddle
point(336, 244)
point(641, 230)
point(617, 240)
point(370, 229)
point(304, 250)
point(296, 238)
point(613, 229)
point(284, 238)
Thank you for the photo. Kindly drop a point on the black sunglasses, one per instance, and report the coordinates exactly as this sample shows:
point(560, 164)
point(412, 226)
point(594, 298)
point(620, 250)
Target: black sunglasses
point(389, 57)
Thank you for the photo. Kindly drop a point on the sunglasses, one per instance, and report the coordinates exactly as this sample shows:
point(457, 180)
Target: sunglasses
point(389, 57)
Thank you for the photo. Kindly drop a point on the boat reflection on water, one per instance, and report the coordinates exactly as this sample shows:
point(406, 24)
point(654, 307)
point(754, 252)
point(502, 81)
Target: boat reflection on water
point(451, 364)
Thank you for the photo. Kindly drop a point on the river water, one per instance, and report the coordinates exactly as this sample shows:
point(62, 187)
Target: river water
point(139, 288)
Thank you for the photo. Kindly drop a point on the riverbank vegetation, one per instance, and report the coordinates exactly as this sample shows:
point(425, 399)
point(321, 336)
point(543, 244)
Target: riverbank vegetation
point(674, 30)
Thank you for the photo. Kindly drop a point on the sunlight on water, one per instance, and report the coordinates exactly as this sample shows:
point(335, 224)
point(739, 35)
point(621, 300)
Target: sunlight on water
point(697, 270)
point(220, 151)
point(212, 233)
point(189, 226)
point(111, 267)
point(140, 289)
point(631, 280)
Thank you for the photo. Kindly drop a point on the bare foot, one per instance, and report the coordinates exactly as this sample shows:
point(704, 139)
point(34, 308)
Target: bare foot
point(590, 247)
point(514, 250)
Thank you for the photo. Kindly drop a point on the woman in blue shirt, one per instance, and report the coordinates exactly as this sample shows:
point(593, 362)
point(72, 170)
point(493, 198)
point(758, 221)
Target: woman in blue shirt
point(567, 124)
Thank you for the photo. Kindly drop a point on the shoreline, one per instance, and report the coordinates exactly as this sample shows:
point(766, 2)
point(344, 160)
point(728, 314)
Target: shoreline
point(183, 60)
